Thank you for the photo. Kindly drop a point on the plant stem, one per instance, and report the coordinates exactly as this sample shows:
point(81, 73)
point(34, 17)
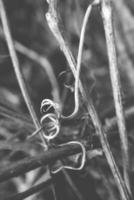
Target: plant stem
point(31, 191)
point(106, 12)
point(46, 158)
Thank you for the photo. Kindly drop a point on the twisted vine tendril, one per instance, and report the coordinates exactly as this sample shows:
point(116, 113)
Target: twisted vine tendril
point(83, 159)
point(78, 66)
point(51, 126)
point(47, 104)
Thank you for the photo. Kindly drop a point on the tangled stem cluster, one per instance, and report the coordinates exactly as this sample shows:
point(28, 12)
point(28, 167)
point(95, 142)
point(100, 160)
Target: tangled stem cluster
point(50, 121)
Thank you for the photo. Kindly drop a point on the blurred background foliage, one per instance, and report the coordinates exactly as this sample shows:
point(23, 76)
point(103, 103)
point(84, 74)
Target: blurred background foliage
point(29, 27)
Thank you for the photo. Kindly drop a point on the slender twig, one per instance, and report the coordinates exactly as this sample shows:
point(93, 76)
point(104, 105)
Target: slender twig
point(16, 66)
point(106, 11)
point(53, 24)
point(44, 159)
point(37, 188)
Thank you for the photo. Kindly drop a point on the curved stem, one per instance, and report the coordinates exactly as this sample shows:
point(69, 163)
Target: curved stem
point(78, 66)
point(106, 10)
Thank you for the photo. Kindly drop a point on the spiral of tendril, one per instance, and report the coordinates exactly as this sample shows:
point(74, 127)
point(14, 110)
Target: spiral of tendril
point(50, 120)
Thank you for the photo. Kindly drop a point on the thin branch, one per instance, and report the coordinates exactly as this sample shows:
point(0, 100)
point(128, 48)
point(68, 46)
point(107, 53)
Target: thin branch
point(16, 66)
point(31, 191)
point(43, 159)
point(52, 19)
point(106, 11)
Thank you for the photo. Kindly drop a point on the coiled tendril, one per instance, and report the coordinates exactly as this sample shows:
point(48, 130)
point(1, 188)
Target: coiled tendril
point(50, 121)
point(51, 126)
point(83, 159)
point(48, 104)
